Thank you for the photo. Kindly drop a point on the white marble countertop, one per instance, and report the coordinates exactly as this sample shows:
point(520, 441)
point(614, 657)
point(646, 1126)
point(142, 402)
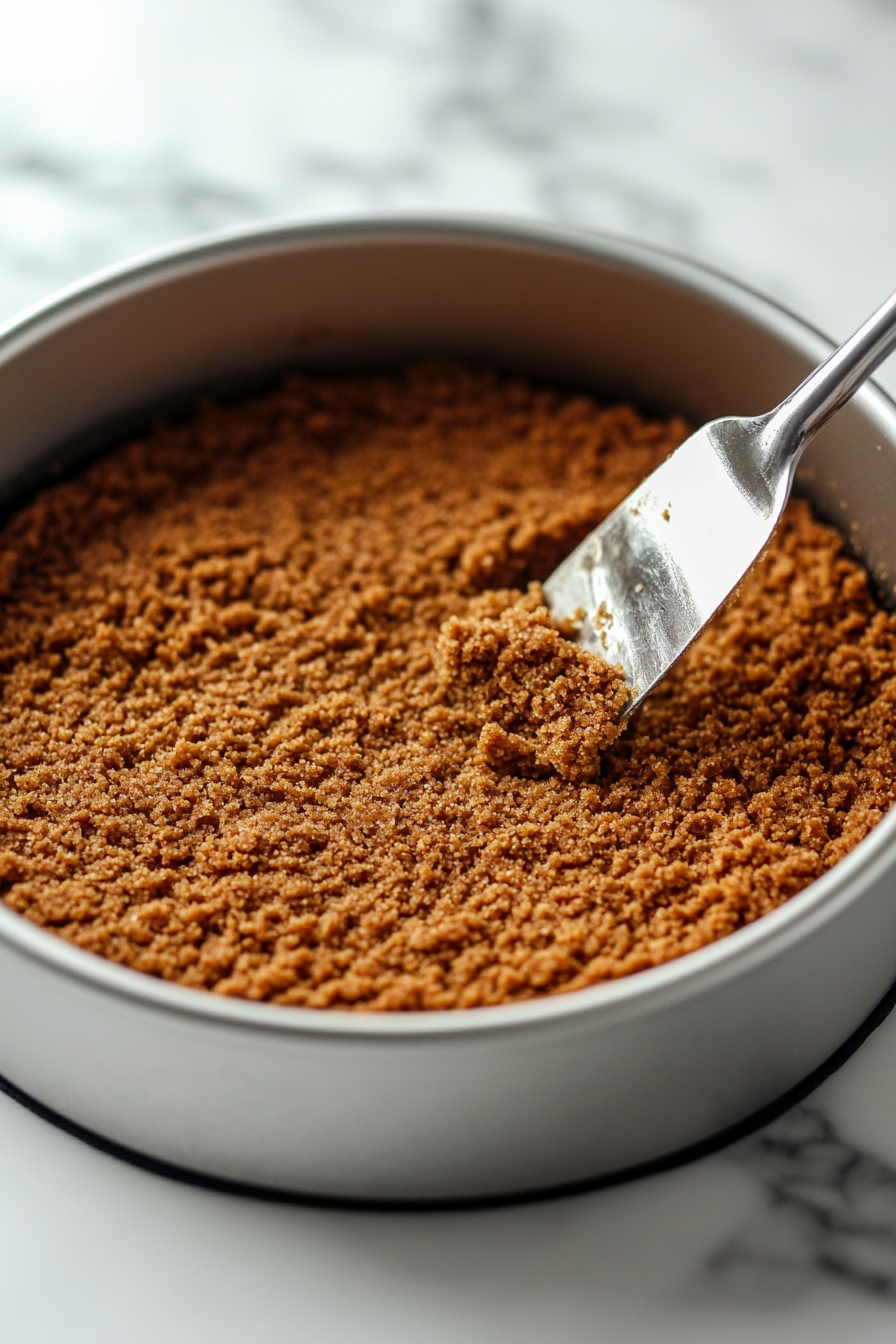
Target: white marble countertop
point(760, 137)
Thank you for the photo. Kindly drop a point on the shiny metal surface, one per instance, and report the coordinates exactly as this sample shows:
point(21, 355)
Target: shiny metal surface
point(644, 584)
point(443, 1105)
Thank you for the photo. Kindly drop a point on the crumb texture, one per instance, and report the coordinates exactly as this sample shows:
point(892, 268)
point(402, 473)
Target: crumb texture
point(544, 703)
point(284, 717)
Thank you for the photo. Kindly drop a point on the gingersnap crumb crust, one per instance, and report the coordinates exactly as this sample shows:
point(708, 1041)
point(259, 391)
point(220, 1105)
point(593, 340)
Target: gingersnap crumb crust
point(283, 716)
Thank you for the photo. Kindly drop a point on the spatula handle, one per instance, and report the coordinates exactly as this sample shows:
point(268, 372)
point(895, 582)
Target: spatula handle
point(801, 415)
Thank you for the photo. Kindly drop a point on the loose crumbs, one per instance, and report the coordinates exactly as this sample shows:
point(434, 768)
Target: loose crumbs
point(284, 716)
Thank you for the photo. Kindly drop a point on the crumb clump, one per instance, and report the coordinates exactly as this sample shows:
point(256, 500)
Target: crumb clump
point(283, 715)
point(545, 704)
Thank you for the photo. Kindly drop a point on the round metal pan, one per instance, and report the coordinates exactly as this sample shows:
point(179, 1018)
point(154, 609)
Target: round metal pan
point(491, 1101)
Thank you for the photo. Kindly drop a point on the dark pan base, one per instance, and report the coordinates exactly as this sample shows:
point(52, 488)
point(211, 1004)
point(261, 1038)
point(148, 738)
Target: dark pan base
point(680, 1157)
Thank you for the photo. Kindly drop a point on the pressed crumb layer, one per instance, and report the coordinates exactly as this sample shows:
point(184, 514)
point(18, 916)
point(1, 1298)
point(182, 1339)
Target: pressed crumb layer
point(283, 715)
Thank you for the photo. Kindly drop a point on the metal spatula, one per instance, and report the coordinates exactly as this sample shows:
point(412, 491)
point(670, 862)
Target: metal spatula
point(644, 584)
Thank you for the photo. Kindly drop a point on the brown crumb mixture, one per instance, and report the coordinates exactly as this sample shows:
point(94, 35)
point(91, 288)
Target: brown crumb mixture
point(283, 716)
point(544, 703)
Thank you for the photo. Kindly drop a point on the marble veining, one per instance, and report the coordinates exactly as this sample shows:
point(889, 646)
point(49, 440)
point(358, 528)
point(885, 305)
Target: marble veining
point(830, 1211)
point(755, 137)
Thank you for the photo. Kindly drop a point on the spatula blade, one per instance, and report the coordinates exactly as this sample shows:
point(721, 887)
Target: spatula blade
point(645, 583)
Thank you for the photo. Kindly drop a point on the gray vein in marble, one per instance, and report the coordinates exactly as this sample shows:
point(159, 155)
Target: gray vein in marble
point(710, 128)
point(473, 103)
point(830, 1212)
point(505, 88)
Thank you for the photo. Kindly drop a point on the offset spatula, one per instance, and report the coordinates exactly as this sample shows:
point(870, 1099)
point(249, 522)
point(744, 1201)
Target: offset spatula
point(644, 584)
